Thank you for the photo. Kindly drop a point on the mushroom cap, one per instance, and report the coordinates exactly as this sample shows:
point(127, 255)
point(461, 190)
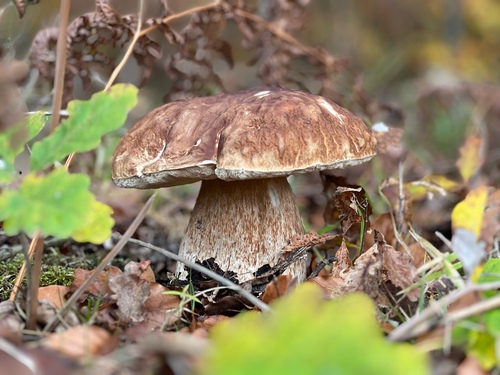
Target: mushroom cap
point(258, 133)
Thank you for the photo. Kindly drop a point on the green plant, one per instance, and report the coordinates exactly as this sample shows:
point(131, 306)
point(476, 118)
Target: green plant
point(58, 203)
point(305, 334)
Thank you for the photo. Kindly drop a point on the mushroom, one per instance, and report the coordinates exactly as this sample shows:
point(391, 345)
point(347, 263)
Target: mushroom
point(242, 146)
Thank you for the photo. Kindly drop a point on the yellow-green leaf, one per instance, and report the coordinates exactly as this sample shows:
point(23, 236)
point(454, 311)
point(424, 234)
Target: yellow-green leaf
point(468, 214)
point(98, 227)
point(306, 334)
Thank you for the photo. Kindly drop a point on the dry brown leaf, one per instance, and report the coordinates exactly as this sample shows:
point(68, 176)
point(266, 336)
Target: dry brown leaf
point(490, 230)
point(309, 239)
point(130, 293)
point(331, 285)
point(400, 271)
point(54, 294)
point(276, 288)
point(99, 287)
point(366, 275)
point(82, 342)
point(343, 263)
point(208, 322)
point(347, 203)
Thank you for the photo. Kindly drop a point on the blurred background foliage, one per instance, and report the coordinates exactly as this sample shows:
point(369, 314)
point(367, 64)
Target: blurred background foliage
point(431, 67)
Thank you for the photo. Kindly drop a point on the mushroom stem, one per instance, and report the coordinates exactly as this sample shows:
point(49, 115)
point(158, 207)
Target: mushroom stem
point(243, 225)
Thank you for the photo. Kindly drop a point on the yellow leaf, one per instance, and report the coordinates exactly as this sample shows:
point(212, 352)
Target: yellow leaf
point(97, 228)
point(468, 214)
point(471, 157)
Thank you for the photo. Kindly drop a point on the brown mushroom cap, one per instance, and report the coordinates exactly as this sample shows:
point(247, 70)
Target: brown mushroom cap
point(257, 133)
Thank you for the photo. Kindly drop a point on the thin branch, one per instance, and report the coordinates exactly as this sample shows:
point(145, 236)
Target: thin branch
point(105, 262)
point(168, 19)
point(311, 51)
point(130, 48)
point(34, 281)
point(249, 296)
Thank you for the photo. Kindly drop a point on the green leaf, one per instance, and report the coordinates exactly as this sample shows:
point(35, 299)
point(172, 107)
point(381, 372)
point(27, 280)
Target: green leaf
point(482, 346)
point(58, 204)
point(12, 143)
point(88, 121)
point(491, 271)
point(307, 335)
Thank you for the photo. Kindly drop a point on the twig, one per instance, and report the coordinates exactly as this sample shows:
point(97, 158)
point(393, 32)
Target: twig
point(22, 271)
point(34, 280)
point(420, 323)
point(198, 267)
point(311, 51)
point(130, 48)
point(325, 262)
point(168, 19)
point(114, 251)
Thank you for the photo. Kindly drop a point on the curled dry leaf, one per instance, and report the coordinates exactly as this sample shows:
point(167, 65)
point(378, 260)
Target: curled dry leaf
point(400, 270)
point(82, 342)
point(379, 264)
point(130, 292)
point(346, 203)
point(160, 312)
point(343, 263)
point(366, 275)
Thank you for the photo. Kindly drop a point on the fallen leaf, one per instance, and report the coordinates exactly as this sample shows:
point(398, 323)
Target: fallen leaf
point(331, 285)
point(490, 231)
point(276, 288)
point(227, 305)
point(82, 342)
point(400, 271)
point(471, 157)
point(346, 203)
point(54, 294)
point(99, 287)
point(130, 293)
point(343, 263)
point(468, 214)
point(209, 321)
point(366, 275)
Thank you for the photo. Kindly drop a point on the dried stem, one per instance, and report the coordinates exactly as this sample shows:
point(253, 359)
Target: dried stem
point(180, 15)
point(34, 280)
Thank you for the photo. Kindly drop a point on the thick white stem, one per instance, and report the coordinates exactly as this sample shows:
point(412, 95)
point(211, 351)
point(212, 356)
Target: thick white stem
point(243, 225)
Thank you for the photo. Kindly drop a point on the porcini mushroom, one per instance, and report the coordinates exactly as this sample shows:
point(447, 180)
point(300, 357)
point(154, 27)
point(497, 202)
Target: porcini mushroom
point(242, 146)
